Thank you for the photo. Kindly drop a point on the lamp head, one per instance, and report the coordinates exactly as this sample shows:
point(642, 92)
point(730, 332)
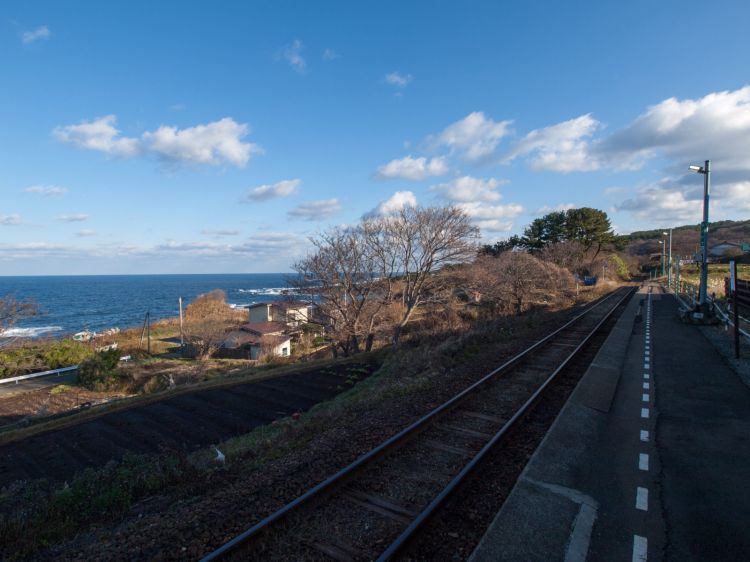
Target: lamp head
point(696, 169)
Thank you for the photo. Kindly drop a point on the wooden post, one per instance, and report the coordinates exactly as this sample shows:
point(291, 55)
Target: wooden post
point(182, 340)
point(143, 331)
point(148, 320)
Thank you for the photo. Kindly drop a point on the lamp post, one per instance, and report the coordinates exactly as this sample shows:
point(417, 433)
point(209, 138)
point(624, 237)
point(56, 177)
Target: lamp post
point(669, 261)
point(706, 171)
point(662, 257)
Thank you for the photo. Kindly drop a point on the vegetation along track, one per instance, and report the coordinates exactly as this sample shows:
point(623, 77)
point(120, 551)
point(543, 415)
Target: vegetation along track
point(376, 506)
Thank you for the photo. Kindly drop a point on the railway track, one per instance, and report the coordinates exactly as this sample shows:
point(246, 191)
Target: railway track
point(373, 508)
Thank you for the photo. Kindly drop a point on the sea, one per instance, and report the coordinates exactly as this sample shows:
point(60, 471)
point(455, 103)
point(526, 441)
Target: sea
point(70, 304)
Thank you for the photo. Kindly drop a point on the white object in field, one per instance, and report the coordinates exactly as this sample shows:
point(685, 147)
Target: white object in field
point(220, 458)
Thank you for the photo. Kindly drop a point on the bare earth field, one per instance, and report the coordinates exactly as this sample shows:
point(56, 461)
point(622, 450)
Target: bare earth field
point(185, 423)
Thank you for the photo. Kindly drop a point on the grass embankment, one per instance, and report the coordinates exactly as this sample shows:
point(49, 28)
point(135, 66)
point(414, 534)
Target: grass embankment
point(407, 383)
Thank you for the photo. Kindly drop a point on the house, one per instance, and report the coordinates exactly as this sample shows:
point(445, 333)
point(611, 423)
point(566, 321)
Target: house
point(727, 249)
point(290, 313)
point(255, 339)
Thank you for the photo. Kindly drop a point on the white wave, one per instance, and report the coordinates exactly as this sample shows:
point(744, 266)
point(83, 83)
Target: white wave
point(240, 305)
point(29, 332)
point(271, 291)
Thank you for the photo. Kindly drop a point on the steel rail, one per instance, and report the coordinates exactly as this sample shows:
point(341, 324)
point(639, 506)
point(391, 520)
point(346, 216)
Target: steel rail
point(394, 441)
point(402, 540)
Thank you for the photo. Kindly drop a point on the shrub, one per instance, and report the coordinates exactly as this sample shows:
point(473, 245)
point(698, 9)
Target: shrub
point(100, 372)
point(620, 267)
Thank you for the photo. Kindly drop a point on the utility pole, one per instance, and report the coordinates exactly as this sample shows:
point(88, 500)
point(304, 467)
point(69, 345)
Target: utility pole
point(706, 171)
point(669, 261)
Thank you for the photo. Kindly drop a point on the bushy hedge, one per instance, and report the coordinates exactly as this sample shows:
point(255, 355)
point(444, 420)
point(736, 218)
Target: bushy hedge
point(100, 372)
point(39, 357)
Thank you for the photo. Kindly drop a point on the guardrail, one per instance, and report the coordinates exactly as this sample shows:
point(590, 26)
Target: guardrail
point(725, 318)
point(40, 374)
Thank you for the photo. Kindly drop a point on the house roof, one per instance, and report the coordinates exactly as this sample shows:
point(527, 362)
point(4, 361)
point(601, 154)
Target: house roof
point(239, 338)
point(262, 328)
point(285, 305)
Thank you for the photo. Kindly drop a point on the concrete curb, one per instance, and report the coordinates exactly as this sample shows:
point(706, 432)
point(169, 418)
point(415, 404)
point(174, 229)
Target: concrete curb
point(546, 517)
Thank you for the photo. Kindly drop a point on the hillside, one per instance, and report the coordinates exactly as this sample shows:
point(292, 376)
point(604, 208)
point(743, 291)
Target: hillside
point(686, 239)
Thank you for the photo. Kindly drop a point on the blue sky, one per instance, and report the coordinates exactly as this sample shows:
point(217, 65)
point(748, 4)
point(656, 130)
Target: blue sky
point(171, 137)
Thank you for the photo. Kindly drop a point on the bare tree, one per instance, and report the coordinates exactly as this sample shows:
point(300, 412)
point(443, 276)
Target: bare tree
point(514, 280)
point(346, 270)
point(13, 310)
point(207, 320)
point(420, 241)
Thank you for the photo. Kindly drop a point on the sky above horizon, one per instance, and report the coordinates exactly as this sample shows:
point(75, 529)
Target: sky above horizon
point(186, 137)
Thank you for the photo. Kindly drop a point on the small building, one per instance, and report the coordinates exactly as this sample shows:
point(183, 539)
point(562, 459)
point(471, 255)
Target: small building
point(290, 313)
point(255, 339)
point(726, 249)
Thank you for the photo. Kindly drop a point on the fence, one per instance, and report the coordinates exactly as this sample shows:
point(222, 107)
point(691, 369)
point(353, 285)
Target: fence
point(743, 293)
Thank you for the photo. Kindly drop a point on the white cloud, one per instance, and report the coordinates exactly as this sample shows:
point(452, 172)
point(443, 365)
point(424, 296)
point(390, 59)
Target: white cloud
point(330, 54)
point(397, 79)
point(316, 210)
point(670, 203)
point(492, 218)
point(47, 190)
point(99, 134)
point(394, 204)
point(219, 232)
point(468, 188)
point(473, 137)
point(80, 217)
point(563, 147)
point(292, 54)
point(41, 32)
point(284, 188)
point(716, 126)
point(411, 168)
point(214, 143)
point(86, 232)
point(10, 220)
point(549, 209)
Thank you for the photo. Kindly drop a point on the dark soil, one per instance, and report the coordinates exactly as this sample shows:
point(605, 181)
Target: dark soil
point(186, 422)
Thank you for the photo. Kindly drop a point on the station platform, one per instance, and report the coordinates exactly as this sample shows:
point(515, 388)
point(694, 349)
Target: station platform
point(648, 460)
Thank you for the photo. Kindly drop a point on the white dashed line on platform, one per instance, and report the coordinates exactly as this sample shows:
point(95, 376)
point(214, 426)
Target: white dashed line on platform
point(641, 499)
point(644, 412)
point(646, 376)
point(643, 461)
point(644, 435)
point(646, 397)
point(646, 385)
point(640, 548)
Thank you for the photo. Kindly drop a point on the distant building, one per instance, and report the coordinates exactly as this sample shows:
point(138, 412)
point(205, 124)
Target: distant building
point(289, 313)
point(726, 249)
point(255, 339)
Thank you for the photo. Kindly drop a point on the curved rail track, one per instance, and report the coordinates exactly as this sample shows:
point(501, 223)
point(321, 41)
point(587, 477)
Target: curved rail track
point(371, 509)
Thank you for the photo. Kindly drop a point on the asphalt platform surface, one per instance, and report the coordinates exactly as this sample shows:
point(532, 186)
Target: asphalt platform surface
point(649, 460)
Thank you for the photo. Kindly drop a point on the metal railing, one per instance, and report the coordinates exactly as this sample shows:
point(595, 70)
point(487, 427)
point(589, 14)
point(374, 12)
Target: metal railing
point(40, 374)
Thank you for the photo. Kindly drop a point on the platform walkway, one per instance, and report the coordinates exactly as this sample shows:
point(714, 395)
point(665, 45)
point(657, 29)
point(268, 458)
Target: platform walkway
point(649, 460)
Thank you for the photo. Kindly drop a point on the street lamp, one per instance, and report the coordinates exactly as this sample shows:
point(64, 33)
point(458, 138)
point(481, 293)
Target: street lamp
point(669, 260)
point(661, 242)
point(706, 171)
